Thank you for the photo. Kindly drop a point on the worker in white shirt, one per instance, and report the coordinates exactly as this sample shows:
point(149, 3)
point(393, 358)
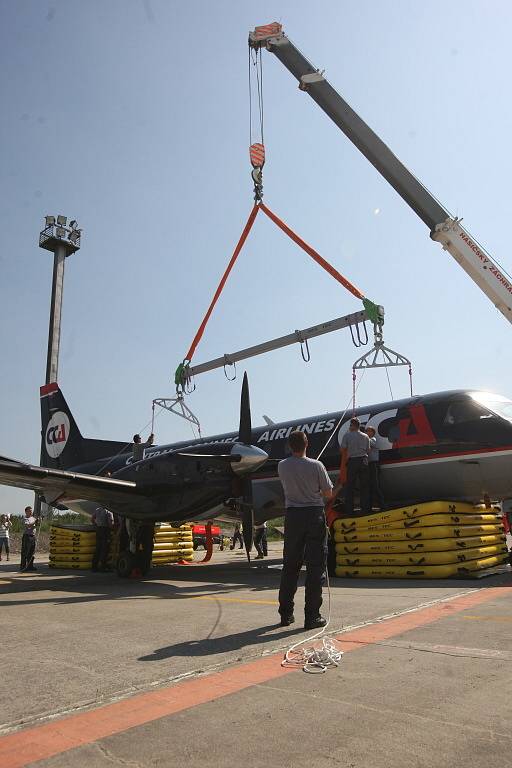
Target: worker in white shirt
point(376, 495)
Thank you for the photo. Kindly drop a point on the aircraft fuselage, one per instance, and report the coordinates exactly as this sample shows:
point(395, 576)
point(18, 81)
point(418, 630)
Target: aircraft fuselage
point(449, 445)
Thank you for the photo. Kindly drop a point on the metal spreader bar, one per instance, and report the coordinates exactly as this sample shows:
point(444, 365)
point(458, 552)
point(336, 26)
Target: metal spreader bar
point(297, 337)
point(177, 406)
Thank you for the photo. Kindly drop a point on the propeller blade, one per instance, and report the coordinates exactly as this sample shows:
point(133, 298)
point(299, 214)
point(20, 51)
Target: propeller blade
point(245, 428)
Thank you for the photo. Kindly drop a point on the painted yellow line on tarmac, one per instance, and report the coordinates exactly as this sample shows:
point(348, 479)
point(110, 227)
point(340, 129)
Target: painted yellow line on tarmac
point(488, 618)
point(235, 600)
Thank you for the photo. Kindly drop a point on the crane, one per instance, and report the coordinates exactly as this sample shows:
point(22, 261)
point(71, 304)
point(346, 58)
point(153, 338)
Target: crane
point(444, 229)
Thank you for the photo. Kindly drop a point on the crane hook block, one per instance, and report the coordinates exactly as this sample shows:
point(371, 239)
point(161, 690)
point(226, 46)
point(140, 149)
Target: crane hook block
point(257, 155)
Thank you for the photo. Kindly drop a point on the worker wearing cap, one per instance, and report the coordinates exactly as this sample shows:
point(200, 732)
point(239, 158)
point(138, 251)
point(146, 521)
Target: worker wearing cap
point(355, 448)
point(306, 484)
point(138, 447)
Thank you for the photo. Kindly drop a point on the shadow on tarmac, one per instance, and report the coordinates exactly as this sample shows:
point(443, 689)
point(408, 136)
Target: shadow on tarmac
point(232, 642)
point(182, 582)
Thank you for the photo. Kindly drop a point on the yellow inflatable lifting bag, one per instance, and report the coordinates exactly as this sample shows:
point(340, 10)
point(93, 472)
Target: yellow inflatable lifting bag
point(430, 532)
point(170, 552)
point(427, 545)
point(167, 527)
point(420, 572)
point(54, 531)
point(71, 558)
point(71, 566)
point(72, 550)
point(425, 558)
point(420, 522)
point(409, 513)
point(73, 539)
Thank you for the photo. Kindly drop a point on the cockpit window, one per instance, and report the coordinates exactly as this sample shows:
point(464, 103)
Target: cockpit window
point(465, 411)
point(498, 404)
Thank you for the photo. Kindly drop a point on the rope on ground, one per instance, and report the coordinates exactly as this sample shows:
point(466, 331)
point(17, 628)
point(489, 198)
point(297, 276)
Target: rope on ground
point(317, 653)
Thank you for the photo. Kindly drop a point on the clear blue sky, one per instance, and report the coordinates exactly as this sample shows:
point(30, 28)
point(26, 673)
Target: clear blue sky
point(132, 116)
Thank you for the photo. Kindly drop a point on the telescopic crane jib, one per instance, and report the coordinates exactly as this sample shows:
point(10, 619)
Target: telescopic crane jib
point(445, 229)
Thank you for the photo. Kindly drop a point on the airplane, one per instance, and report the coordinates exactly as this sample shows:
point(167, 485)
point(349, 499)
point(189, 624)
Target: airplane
point(454, 445)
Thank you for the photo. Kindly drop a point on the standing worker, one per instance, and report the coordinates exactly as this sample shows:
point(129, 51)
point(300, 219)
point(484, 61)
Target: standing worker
point(376, 495)
point(355, 449)
point(138, 447)
point(260, 540)
point(5, 524)
point(28, 541)
point(306, 484)
point(237, 536)
point(103, 520)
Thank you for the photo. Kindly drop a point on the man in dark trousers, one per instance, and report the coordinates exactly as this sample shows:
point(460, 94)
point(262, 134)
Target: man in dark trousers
point(28, 541)
point(306, 484)
point(237, 536)
point(103, 520)
point(376, 495)
point(355, 447)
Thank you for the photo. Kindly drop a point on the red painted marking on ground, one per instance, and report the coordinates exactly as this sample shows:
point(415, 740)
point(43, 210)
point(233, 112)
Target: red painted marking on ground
point(375, 633)
point(44, 741)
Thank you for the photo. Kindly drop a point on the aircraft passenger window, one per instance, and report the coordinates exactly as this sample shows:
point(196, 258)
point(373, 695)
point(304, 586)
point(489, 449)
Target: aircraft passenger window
point(466, 411)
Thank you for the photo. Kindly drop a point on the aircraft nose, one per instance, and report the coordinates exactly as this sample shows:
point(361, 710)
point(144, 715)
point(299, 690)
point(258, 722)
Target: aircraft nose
point(252, 458)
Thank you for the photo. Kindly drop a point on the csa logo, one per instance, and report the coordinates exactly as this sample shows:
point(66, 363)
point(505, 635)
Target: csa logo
point(57, 433)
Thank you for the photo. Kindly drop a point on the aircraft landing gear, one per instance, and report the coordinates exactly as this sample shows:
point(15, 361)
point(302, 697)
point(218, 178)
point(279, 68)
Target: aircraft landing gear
point(134, 559)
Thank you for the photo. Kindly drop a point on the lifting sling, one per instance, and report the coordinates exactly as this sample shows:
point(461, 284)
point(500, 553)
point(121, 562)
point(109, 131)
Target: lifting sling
point(370, 307)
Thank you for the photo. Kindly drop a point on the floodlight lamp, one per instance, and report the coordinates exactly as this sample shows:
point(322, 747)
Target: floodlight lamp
point(61, 221)
point(74, 235)
point(73, 223)
point(49, 221)
point(60, 232)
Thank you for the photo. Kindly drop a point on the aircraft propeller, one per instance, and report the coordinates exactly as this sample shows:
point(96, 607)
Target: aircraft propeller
point(245, 437)
point(244, 459)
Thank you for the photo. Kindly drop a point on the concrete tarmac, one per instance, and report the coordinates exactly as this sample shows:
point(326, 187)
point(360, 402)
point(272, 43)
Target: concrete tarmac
point(185, 667)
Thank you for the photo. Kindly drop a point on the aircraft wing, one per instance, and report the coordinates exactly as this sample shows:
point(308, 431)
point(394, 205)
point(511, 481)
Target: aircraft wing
point(56, 485)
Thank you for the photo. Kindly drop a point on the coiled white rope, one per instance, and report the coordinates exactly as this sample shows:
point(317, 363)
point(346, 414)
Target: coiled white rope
point(317, 653)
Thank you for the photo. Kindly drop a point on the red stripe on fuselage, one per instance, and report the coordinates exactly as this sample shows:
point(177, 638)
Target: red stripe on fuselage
point(447, 455)
point(415, 458)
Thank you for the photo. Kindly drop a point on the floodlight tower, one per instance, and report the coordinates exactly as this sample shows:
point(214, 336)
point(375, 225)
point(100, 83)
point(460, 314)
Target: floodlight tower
point(62, 241)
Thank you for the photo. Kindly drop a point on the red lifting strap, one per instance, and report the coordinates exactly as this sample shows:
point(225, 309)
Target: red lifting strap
point(239, 246)
point(296, 239)
point(209, 548)
point(311, 252)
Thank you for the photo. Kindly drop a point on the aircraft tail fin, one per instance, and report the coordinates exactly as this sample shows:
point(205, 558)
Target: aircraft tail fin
point(63, 445)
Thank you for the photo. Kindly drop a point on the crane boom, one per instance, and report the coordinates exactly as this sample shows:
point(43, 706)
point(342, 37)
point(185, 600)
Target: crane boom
point(443, 228)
